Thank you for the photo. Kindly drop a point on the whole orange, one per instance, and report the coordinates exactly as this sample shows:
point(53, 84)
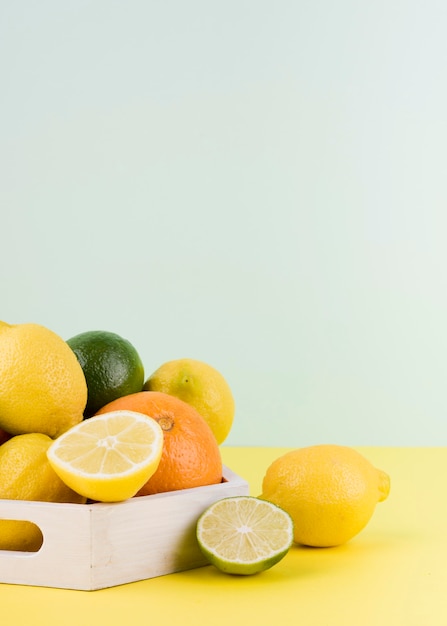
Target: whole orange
point(191, 456)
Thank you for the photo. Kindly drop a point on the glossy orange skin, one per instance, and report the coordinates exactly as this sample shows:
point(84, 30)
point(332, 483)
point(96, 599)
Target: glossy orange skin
point(191, 456)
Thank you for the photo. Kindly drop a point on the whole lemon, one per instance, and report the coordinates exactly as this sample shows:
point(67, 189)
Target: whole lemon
point(111, 364)
point(330, 492)
point(42, 385)
point(26, 474)
point(201, 386)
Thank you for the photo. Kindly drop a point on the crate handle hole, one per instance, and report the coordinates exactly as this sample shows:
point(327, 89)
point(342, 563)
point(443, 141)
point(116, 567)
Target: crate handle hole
point(20, 536)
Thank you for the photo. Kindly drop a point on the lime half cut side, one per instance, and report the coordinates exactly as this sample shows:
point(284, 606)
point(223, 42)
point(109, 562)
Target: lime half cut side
point(244, 535)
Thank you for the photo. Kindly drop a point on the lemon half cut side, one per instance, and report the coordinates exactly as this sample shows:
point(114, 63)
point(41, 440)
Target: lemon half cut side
point(244, 535)
point(108, 457)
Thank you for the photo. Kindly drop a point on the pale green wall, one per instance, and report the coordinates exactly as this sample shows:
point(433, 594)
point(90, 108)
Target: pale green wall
point(260, 185)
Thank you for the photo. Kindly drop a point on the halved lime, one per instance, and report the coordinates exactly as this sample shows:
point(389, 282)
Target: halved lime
point(244, 534)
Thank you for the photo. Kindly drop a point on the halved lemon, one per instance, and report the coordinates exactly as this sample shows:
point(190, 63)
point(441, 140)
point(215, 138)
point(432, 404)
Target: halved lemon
point(244, 534)
point(108, 457)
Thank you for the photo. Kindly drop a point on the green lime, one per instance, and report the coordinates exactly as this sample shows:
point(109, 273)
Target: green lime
point(244, 534)
point(112, 367)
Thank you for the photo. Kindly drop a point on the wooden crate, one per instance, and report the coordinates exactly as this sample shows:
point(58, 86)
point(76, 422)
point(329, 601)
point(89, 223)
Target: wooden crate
point(94, 546)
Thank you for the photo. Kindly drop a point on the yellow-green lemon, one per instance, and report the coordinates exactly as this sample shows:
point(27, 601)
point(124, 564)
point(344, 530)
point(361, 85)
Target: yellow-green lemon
point(200, 385)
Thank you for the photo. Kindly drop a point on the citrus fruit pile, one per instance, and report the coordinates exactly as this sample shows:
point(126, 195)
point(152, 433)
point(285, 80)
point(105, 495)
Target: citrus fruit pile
point(80, 423)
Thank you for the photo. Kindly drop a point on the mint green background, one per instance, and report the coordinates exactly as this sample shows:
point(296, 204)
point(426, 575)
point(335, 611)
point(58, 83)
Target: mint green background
point(259, 185)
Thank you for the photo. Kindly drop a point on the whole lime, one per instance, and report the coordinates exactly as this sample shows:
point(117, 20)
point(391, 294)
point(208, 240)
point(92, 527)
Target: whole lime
point(111, 364)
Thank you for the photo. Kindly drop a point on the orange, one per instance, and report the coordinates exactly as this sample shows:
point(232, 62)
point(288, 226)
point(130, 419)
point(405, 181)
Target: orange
point(190, 456)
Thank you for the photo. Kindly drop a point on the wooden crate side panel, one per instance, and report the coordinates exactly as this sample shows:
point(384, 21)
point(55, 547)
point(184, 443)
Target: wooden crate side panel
point(101, 545)
point(65, 556)
point(152, 535)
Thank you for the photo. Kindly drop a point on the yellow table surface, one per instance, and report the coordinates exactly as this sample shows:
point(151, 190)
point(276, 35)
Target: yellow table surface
point(393, 573)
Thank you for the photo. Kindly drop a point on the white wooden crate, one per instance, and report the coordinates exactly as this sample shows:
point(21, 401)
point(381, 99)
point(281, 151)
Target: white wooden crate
point(94, 546)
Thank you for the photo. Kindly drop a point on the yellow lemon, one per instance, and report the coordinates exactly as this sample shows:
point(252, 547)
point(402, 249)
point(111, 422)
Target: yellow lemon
point(201, 386)
point(42, 385)
point(330, 492)
point(108, 457)
point(26, 474)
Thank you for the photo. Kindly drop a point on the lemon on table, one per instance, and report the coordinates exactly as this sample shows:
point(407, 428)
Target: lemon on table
point(244, 535)
point(42, 385)
point(201, 386)
point(108, 457)
point(111, 364)
point(330, 491)
point(26, 474)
